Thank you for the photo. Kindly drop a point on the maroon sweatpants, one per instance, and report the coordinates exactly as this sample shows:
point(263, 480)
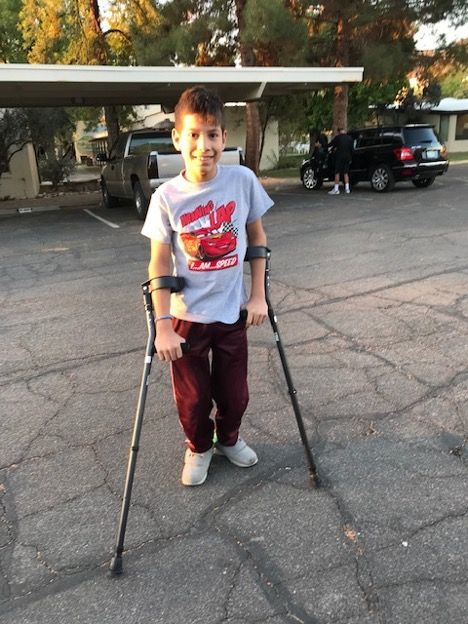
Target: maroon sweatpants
point(199, 380)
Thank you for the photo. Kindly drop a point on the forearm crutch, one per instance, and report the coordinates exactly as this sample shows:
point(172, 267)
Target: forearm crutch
point(174, 284)
point(265, 253)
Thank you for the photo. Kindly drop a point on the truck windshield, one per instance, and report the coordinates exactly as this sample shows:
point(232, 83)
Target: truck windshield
point(149, 142)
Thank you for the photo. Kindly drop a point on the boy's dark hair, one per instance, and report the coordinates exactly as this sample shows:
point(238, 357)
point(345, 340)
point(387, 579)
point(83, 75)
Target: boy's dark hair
point(199, 101)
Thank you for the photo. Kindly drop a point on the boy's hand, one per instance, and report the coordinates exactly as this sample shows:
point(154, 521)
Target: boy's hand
point(257, 311)
point(168, 343)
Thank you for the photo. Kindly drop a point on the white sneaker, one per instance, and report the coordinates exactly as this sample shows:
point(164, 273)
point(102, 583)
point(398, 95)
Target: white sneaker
point(347, 190)
point(334, 191)
point(240, 454)
point(196, 467)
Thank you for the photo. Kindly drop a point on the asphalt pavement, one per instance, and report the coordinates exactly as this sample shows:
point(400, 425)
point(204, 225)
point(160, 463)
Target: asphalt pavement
point(371, 294)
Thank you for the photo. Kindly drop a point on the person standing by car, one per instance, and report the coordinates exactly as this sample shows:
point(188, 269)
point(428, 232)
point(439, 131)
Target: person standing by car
point(342, 147)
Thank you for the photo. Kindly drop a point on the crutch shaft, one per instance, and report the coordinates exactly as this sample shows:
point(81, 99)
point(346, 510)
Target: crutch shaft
point(293, 395)
point(264, 253)
point(116, 562)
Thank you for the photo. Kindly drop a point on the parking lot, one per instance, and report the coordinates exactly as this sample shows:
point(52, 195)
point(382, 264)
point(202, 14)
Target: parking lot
point(371, 294)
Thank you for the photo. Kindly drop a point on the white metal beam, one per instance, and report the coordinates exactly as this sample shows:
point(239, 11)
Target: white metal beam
point(93, 85)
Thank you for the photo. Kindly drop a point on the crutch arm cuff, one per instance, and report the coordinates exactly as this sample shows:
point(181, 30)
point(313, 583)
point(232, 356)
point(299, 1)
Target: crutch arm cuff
point(257, 251)
point(171, 282)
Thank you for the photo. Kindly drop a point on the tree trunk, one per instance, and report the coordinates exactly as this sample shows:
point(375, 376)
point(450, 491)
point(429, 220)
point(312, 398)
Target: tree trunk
point(252, 138)
point(112, 123)
point(340, 96)
point(252, 115)
point(100, 55)
point(340, 108)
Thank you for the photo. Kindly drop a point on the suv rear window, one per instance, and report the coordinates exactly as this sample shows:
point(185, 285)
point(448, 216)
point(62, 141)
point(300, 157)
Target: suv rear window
point(391, 137)
point(368, 138)
point(147, 142)
point(420, 136)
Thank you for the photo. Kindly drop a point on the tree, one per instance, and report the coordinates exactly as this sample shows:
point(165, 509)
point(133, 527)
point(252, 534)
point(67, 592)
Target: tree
point(71, 32)
point(11, 41)
point(374, 34)
point(269, 34)
point(445, 67)
point(14, 134)
point(455, 84)
point(223, 32)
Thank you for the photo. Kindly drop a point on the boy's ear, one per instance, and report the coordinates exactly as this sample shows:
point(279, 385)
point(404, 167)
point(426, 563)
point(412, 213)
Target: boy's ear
point(175, 139)
point(224, 137)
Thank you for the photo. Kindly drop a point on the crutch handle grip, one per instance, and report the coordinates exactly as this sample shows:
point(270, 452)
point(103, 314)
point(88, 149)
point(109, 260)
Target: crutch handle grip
point(185, 346)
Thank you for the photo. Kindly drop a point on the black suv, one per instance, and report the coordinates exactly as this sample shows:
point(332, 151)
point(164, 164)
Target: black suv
point(384, 155)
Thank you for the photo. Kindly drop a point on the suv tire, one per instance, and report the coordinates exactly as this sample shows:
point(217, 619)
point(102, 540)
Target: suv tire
point(382, 179)
point(423, 182)
point(140, 201)
point(108, 201)
point(310, 180)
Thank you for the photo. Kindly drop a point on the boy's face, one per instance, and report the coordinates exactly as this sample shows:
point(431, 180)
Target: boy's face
point(201, 142)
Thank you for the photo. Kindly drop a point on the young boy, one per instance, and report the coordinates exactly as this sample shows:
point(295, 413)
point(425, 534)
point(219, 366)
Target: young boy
point(200, 224)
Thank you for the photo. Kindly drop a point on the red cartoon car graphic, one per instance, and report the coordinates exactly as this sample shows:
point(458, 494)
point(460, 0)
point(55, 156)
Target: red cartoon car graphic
point(205, 244)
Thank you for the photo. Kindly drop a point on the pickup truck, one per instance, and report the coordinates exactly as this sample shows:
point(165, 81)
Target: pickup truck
point(142, 160)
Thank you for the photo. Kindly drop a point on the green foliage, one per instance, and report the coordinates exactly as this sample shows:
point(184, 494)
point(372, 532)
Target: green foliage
point(93, 116)
point(51, 128)
point(455, 85)
point(363, 95)
point(319, 110)
point(276, 36)
point(11, 41)
point(54, 169)
point(14, 132)
point(185, 31)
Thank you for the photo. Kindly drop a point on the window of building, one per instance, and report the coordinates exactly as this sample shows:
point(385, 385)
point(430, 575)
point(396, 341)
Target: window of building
point(461, 130)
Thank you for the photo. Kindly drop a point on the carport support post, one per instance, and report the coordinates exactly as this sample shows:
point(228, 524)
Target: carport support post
point(115, 566)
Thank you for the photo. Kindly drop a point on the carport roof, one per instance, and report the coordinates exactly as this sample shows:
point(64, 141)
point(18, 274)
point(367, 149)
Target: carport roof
point(95, 85)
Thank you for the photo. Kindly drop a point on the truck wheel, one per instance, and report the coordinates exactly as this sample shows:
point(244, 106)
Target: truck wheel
point(108, 201)
point(382, 179)
point(141, 203)
point(310, 180)
point(423, 182)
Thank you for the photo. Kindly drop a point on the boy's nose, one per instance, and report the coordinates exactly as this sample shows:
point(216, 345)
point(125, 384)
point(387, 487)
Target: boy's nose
point(201, 143)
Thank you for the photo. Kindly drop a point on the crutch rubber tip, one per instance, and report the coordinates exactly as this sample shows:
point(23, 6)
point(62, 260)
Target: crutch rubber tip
point(115, 566)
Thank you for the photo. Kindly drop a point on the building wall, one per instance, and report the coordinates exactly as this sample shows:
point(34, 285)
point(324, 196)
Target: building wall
point(453, 145)
point(22, 181)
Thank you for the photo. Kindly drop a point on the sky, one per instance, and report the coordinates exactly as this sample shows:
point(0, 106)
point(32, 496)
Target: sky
point(426, 38)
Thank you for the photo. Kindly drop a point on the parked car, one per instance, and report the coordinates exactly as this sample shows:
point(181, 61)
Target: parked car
point(142, 160)
point(384, 155)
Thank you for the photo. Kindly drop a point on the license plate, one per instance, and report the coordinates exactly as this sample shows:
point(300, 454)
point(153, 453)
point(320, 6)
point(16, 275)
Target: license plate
point(432, 153)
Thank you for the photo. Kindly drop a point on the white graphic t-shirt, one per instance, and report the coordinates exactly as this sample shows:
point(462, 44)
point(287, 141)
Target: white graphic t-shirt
point(205, 224)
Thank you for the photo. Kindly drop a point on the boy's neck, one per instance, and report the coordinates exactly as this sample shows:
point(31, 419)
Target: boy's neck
point(196, 178)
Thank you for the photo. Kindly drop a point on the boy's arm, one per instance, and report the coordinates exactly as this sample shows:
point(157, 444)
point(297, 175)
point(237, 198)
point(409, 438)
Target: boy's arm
point(167, 341)
point(256, 306)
